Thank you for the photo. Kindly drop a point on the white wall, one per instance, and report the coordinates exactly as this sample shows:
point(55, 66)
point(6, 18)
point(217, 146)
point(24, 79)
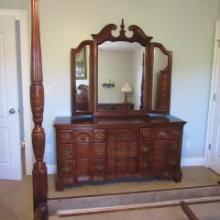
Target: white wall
point(14, 4)
point(185, 27)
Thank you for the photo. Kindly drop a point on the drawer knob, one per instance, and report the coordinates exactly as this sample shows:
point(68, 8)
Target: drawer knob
point(172, 162)
point(146, 149)
point(99, 135)
point(174, 146)
point(66, 169)
point(99, 167)
point(145, 165)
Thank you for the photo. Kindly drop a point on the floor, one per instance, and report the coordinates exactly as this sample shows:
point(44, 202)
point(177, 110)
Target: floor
point(16, 196)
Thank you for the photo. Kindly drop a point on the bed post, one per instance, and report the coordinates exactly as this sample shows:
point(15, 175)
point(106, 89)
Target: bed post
point(39, 173)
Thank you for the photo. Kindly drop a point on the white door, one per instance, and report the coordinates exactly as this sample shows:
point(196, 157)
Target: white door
point(214, 109)
point(10, 151)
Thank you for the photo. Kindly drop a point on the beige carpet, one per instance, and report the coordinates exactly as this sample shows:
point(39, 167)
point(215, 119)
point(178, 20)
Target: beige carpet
point(16, 196)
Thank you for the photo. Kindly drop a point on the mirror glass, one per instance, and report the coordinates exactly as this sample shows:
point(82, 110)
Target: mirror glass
point(120, 71)
point(82, 76)
point(159, 80)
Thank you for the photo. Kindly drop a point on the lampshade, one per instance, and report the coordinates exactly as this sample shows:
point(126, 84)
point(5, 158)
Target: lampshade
point(126, 88)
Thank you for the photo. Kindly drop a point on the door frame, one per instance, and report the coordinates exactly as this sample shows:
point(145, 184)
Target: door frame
point(213, 92)
point(21, 15)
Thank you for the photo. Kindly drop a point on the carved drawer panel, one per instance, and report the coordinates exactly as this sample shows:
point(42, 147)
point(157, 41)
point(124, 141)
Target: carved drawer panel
point(174, 147)
point(175, 132)
point(147, 133)
point(132, 166)
point(145, 164)
point(83, 167)
point(82, 136)
point(126, 149)
point(83, 150)
point(123, 135)
point(67, 168)
point(162, 134)
point(146, 149)
point(161, 148)
point(66, 151)
point(99, 135)
point(110, 163)
point(65, 136)
point(97, 166)
point(98, 149)
point(121, 166)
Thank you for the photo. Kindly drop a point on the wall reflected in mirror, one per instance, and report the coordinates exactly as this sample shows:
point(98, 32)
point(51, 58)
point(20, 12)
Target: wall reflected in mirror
point(120, 69)
point(82, 79)
point(159, 80)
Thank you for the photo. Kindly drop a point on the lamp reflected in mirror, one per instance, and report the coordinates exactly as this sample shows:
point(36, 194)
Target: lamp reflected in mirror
point(127, 90)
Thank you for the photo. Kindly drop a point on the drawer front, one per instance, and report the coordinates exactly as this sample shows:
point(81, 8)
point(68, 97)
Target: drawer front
point(161, 148)
point(83, 167)
point(110, 163)
point(146, 149)
point(83, 150)
point(99, 135)
point(126, 149)
point(67, 168)
point(174, 147)
point(119, 135)
point(65, 136)
point(132, 166)
point(121, 166)
point(97, 166)
point(145, 164)
point(66, 151)
point(98, 149)
point(147, 133)
point(175, 132)
point(162, 133)
point(82, 136)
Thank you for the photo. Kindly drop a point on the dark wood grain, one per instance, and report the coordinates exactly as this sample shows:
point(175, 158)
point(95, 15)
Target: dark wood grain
point(39, 172)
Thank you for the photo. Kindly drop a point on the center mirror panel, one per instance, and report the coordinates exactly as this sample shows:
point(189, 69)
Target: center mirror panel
point(120, 73)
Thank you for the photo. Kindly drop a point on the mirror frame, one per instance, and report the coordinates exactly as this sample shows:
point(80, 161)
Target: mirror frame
point(165, 100)
point(147, 78)
point(138, 36)
point(90, 74)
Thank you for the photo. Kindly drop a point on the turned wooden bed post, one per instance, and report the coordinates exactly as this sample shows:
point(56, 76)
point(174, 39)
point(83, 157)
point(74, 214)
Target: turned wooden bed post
point(40, 187)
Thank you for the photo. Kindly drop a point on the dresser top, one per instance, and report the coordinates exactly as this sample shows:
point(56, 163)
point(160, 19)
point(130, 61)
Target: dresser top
point(153, 119)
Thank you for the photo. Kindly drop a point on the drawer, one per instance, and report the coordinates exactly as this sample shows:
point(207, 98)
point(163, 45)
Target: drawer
point(145, 164)
point(83, 167)
point(174, 147)
point(146, 149)
point(162, 133)
point(175, 132)
point(67, 168)
point(121, 166)
point(98, 149)
point(65, 136)
point(97, 166)
point(66, 151)
point(99, 135)
point(126, 149)
point(132, 166)
point(84, 136)
point(118, 135)
point(161, 148)
point(110, 165)
point(83, 150)
point(147, 133)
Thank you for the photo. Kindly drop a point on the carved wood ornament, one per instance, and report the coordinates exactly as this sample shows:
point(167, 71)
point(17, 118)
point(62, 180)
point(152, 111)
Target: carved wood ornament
point(39, 173)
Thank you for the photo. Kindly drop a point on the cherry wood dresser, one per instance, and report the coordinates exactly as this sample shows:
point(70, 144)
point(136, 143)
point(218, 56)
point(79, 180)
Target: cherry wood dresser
point(108, 149)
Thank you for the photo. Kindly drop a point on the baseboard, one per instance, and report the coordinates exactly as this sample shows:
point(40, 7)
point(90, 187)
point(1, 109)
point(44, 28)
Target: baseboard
point(192, 161)
point(51, 169)
point(185, 162)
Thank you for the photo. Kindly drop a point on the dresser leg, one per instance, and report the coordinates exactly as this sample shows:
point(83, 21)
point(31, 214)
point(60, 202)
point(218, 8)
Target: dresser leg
point(178, 176)
point(59, 185)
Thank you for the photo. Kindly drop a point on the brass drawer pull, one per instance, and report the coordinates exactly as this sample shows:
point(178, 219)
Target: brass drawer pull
point(146, 134)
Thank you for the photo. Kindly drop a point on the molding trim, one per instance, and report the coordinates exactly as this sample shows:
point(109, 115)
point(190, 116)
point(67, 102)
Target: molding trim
point(192, 161)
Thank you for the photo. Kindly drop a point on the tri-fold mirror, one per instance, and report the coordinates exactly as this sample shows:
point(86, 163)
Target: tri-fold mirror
point(118, 75)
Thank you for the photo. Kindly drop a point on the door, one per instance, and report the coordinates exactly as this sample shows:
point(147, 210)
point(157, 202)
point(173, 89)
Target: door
point(214, 109)
point(10, 150)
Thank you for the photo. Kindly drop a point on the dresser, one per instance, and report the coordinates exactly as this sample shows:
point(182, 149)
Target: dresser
point(111, 149)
